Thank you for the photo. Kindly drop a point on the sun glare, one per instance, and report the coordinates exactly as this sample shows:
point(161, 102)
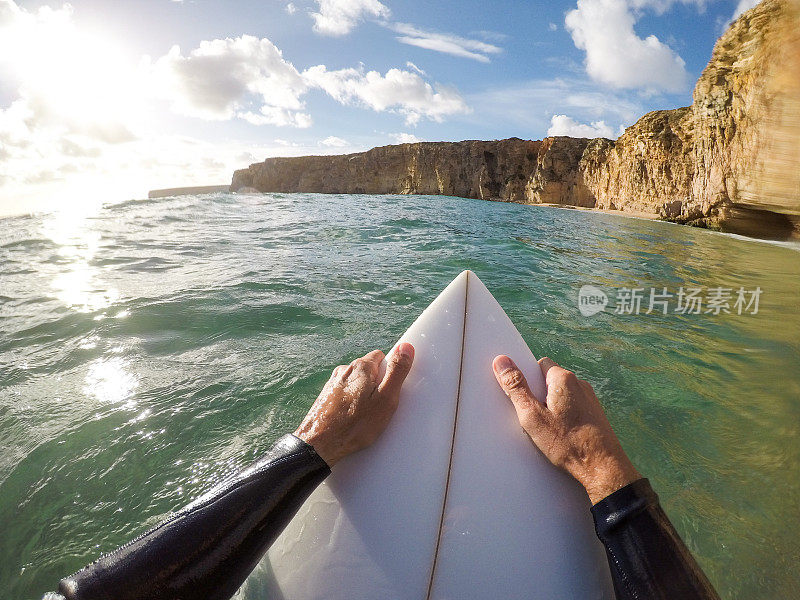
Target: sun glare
point(81, 77)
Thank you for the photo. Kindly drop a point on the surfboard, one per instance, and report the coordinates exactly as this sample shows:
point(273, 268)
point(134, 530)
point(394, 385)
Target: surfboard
point(453, 500)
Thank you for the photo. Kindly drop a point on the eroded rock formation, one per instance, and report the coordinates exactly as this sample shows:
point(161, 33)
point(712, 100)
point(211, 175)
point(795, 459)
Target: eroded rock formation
point(731, 160)
point(715, 163)
point(511, 170)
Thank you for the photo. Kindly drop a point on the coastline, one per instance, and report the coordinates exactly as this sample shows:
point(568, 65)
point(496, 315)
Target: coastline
point(714, 164)
point(791, 243)
point(633, 214)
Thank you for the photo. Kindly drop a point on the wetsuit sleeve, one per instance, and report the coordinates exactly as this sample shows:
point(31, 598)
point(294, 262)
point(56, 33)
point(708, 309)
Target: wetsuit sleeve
point(208, 549)
point(648, 559)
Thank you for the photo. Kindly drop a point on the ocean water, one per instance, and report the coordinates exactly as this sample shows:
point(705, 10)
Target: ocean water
point(149, 348)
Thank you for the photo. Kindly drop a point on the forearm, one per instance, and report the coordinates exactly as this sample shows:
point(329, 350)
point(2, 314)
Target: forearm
point(209, 548)
point(646, 556)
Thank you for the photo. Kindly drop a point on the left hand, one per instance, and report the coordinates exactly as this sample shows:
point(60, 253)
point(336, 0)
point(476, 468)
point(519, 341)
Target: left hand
point(355, 406)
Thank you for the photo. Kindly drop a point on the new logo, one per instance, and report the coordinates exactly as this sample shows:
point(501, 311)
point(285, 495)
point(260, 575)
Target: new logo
point(591, 300)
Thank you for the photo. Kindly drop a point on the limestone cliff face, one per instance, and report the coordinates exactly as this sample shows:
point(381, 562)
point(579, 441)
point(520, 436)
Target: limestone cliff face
point(649, 168)
point(746, 93)
point(511, 170)
point(556, 179)
point(472, 169)
point(731, 160)
point(714, 163)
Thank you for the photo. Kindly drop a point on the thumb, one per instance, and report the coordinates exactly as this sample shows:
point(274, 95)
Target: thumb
point(515, 386)
point(398, 365)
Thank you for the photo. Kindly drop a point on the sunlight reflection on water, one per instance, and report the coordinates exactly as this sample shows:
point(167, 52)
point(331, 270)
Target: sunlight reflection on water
point(80, 287)
point(110, 381)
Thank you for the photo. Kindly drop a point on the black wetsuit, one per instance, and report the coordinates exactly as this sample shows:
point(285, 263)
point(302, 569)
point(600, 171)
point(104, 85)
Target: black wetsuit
point(207, 550)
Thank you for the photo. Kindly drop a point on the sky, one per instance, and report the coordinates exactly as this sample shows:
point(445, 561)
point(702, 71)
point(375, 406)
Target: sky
point(103, 100)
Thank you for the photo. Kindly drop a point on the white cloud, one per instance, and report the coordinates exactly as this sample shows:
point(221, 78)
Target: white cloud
point(248, 78)
point(291, 8)
point(564, 125)
point(334, 142)
point(270, 115)
point(83, 116)
point(615, 55)
point(552, 27)
point(77, 126)
point(15, 124)
point(9, 12)
point(400, 91)
point(662, 6)
point(414, 67)
point(404, 138)
point(340, 17)
point(744, 6)
point(447, 43)
point(13, 15)
point(243, 77)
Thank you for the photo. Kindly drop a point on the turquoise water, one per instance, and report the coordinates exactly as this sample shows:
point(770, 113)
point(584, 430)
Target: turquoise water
point(151, 347)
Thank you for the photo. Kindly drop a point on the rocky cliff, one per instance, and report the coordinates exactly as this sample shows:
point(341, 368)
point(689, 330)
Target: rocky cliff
point(716, 163)
point(511, 170)
point(731, 160)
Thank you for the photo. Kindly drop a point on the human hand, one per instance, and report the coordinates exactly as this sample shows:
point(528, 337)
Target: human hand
point(355, 406)
point(571, 429)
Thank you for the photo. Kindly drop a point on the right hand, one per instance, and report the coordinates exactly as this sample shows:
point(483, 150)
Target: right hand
point(571, 429)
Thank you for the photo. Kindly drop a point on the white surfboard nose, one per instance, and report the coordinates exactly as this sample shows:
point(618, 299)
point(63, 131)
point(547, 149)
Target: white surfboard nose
point(514, 526)
point(453, 500)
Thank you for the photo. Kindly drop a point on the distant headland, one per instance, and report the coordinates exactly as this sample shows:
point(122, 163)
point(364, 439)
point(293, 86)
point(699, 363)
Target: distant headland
point(730, 161)
point(185, 191)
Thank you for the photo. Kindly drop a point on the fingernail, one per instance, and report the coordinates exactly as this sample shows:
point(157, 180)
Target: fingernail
point(405, 349)
point(502, 363)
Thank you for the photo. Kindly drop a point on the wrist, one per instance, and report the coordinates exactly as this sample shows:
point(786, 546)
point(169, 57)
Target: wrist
point(323, 450)
point(607, 476)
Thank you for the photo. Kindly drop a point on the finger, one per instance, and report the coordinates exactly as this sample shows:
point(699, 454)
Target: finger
point(367, 366)
point(554, 374)
point(397, 367)
point(368, 358)
point(514, 384)
point(545, 364)
point(373, 360)
point(341, 372)
point(374, 356)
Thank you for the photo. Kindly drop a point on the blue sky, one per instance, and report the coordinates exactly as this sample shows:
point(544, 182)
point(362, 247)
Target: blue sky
point(105, 99)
